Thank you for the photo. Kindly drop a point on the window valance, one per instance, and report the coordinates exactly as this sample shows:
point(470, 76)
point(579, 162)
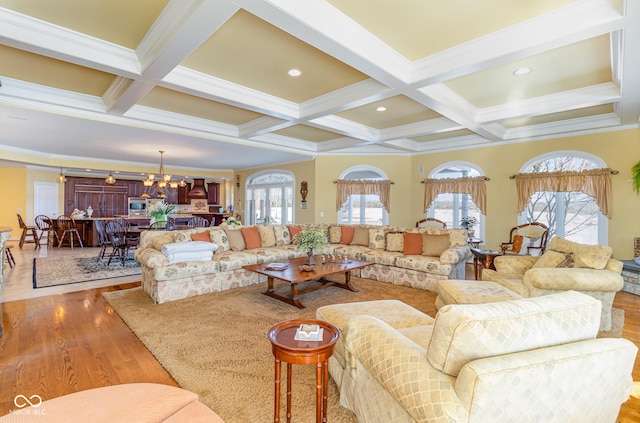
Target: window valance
point(475, 186)
point(594, 182)
point(347, 187)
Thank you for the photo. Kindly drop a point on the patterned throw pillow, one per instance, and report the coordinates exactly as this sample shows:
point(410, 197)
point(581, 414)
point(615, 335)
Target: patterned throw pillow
point(335, 233)
point(554, 258)
point(395, 242)
point(281, 233)
point(219, 237)
point(377, 239)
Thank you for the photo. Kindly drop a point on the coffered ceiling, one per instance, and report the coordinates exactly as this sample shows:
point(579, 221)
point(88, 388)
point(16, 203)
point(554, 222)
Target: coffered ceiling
point(207, 80)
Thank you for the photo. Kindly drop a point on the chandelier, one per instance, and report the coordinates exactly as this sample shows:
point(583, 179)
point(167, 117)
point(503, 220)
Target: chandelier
point(161, 179)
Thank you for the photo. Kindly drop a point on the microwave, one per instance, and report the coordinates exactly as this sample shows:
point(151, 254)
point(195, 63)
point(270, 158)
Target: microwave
point(137, 206)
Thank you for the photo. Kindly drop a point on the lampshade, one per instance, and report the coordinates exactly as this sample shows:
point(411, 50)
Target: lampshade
point(110, 179)
point(61, 178)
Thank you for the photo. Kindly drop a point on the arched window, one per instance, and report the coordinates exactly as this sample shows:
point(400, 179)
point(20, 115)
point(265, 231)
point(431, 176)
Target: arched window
point(451, 208)
point(571, 215)
point(363, 209)
point(269, 198)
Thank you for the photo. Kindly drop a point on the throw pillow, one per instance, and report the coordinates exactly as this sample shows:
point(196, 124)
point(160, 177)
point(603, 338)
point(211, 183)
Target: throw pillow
point(267, 236)
point(293, 231)
point(520, 244)
point(236, 240)
point(553, 258)
point(347, 235)
point(377, 239)
point(412, 244)
point(335, 233)
point(219, 237)
point(160, 241)
point(251, 237)
point(202, 236)
point(395, 242)
point(434, 245)
point(282, 235)
point(361, 237)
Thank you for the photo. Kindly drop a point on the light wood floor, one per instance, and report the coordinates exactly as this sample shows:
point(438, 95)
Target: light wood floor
point(65, 342)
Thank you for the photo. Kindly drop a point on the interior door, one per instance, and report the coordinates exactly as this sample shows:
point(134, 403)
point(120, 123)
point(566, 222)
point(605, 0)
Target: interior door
point(45, 199)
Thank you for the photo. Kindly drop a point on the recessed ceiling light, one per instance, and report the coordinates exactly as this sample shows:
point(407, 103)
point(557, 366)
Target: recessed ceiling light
point(521, 71)
point(294, 72)
point(381, 109)
point(87, 170)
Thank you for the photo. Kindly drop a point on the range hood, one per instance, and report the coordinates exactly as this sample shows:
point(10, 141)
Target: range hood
point(198, 191)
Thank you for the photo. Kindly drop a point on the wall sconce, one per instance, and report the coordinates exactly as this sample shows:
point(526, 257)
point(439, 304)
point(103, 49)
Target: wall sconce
point(238, 181)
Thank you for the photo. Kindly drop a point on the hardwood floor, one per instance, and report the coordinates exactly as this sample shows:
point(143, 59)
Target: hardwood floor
point(67, 342)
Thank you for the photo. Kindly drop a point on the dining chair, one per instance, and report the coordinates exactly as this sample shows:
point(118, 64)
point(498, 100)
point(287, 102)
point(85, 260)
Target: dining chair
point(133, 239)
point(117, 235)
point(68, 228)
point(46, 227)
point(198, 222)
point(10, 259)
point(27, 232)
point(103, 240)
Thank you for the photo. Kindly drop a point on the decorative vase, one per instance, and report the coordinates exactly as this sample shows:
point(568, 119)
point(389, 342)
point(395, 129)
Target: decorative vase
point(310, 260)
point(157, 218)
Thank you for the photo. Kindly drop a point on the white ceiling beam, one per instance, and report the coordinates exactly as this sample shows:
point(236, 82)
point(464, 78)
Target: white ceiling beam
point(263, 125)
point(427, 127)
point(626, 49)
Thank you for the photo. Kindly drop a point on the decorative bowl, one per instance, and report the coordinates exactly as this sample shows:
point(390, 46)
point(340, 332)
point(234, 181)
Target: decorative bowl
point(307, 267)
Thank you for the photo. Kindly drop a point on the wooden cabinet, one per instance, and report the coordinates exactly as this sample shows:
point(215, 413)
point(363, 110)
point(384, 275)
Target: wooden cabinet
point(213, 193)
point(182, 194)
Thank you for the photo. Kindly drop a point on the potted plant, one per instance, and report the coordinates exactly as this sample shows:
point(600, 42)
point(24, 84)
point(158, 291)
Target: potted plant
point(309, 239)
point(635, 177)
point(158, 210)
point(468, 222)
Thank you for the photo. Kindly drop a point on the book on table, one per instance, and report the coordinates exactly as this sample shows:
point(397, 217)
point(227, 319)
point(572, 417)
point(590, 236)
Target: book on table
point(277, 266)
point(308, 332)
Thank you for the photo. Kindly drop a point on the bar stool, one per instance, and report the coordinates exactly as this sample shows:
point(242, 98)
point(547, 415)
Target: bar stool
point(27, 231)
point(10, 259)
point(68, 227)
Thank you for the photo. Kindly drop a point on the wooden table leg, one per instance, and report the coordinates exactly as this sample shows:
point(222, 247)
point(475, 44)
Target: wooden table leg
point(289, 369)
point(270, 284)
point(276, 400)
point(325, 390)
point(475, 266)
point(319, 385)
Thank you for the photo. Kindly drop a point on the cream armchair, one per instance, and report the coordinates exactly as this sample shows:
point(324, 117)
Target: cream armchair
point(513, 361)
point(564, 266)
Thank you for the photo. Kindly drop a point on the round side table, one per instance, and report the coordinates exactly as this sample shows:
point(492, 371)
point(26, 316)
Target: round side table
point(286, 348)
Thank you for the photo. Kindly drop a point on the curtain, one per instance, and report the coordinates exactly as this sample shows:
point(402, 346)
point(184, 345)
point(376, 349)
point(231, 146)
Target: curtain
point(475, 186)
point(594, 182)
point(357, 187)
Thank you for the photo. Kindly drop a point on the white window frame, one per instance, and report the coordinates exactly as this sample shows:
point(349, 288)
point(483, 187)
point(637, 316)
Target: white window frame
point(603, 222)
point(456, 206)
point(349, 208)
point(249, 217)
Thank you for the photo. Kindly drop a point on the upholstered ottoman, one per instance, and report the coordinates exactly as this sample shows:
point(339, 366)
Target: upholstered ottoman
point(472, 292)
point(393, 312)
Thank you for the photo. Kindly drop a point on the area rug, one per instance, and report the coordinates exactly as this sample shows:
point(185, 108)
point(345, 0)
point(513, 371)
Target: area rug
point(53, 271)
point(216, 345)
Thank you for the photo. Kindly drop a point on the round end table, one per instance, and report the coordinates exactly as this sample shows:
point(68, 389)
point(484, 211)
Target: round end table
point(286, 348)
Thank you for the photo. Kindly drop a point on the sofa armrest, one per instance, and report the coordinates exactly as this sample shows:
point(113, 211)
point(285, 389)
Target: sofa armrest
point(515, 265)
point(150, 257)
point(577, 279)
point(455, 255)
point(400, 366)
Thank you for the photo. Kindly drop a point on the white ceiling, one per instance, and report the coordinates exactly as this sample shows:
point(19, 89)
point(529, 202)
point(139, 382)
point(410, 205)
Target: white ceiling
point(114, 81)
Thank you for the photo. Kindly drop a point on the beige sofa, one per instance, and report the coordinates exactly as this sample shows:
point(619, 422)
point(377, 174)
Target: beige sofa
point(382, 246)
point(591, 270)
point(527, 360)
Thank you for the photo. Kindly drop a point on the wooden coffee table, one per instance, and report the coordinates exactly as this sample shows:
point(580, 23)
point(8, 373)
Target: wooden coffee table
point(483, 258)
point(294, 276)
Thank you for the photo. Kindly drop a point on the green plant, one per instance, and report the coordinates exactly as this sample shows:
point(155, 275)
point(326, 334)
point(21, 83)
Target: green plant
point(310, 239)
point(635, 177)
point(468, 222)
point(160, 208)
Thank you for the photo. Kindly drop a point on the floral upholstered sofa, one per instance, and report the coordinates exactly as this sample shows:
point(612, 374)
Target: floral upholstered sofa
point(416, 257)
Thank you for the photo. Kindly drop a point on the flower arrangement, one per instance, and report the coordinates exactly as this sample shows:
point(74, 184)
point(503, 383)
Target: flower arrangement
point(309, 239)
point(468, 222)
point(232, 221)
point(160, 209)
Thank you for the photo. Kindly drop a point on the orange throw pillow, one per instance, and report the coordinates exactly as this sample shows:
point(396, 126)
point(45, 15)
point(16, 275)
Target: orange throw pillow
point(517, 244)
point(251, 237)
point(412, 244)
point(347, 235)
point(202, 236)
point(293, 230)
